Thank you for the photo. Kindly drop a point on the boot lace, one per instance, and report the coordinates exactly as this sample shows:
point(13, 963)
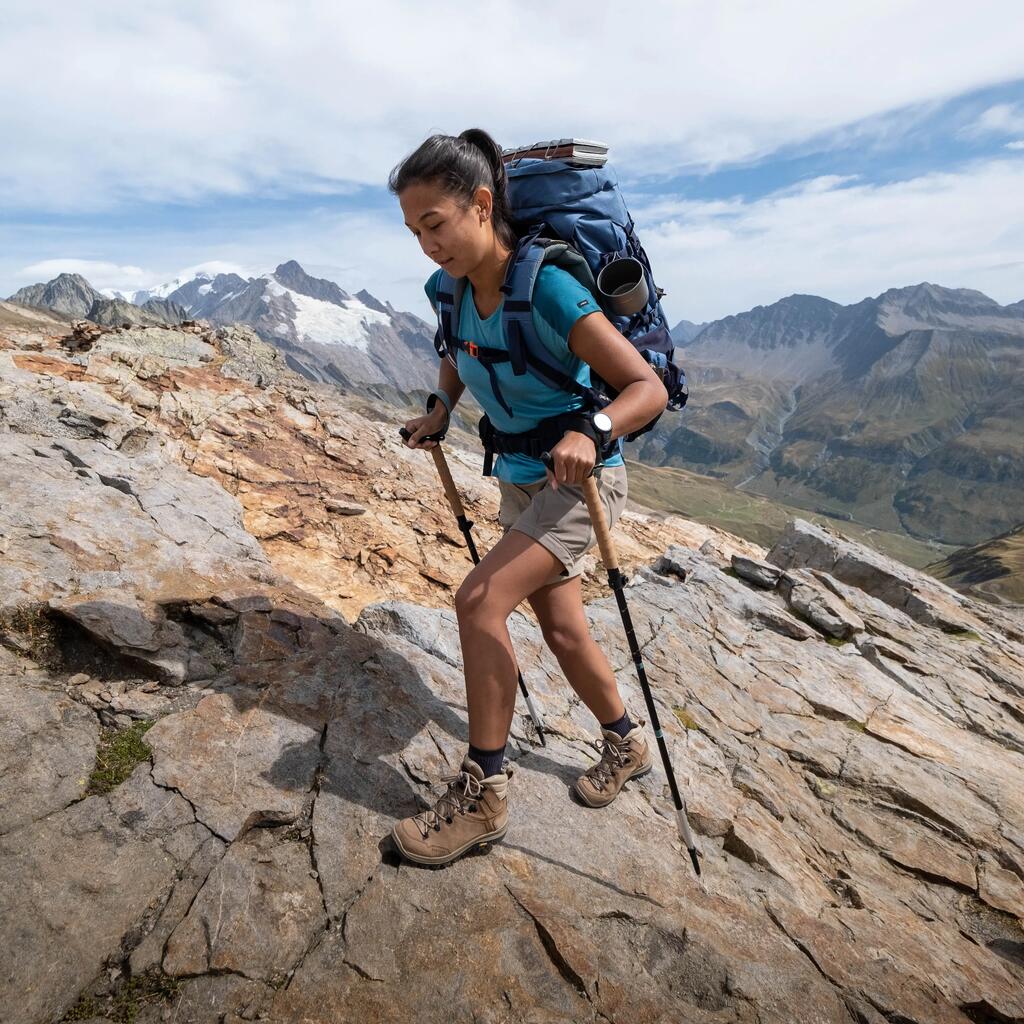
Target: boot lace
point(613, 756)
point(463, 791)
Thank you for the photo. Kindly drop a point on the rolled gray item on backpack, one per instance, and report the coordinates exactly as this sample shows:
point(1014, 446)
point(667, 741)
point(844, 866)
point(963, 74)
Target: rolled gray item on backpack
point(623, 286)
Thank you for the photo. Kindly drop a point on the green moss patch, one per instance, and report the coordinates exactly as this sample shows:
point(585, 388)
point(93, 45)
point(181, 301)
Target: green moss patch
point(684, 716)
point(148, 989)
point(120, 750)
point(965, 634)
point(86, 1008)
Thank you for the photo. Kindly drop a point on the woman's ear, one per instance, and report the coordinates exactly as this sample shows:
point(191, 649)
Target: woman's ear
point(485, 201)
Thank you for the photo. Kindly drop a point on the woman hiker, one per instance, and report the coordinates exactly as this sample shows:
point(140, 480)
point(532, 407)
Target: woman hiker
point(452, 191)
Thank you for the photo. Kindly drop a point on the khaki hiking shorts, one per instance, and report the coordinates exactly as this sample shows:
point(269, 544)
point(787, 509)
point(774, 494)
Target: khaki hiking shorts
point(559, 519)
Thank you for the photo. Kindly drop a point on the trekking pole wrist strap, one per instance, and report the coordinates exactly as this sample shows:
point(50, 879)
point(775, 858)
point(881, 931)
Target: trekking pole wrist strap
point(441, 396)
point(582, 425)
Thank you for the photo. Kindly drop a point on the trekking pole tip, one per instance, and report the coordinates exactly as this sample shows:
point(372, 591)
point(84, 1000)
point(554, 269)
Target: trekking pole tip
point(687, 837)
point(695, 860)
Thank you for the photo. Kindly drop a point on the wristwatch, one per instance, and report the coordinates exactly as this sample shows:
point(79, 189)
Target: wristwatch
point(602, 425)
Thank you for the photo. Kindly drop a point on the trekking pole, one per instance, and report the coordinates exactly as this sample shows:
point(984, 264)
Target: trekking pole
point(452, 494)
point(618, 582)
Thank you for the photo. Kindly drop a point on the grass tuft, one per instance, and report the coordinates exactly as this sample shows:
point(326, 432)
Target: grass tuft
point(150, 988)
point(35, 628)
point(119, 752)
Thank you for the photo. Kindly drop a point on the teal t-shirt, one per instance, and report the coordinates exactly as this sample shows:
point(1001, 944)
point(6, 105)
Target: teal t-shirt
point(559, 300)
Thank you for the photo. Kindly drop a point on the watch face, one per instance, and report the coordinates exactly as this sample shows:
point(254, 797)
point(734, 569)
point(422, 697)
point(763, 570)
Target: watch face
point(602, 422)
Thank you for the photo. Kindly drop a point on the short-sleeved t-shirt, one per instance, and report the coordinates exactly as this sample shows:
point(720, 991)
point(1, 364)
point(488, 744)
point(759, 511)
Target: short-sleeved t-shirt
point(559, 300)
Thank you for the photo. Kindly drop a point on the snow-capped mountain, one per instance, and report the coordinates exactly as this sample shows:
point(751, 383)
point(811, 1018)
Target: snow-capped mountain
point(327, 334)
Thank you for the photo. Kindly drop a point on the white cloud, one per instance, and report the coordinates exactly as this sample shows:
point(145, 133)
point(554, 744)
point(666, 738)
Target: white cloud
point(114, 276)
point(99, 273)
point(138, 101)
point(841, 240)
point(1016, 144)
point(837, 237)
point(999, 119)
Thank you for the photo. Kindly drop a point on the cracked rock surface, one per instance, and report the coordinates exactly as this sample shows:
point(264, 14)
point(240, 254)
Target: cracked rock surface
point(848, 735)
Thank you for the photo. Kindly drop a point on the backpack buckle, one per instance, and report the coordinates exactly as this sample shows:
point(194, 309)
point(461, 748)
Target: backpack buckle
point(473, 349)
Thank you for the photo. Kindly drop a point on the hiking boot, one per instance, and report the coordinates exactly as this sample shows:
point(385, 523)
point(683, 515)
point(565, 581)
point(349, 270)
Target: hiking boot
point(473, 812)
point(622, 758)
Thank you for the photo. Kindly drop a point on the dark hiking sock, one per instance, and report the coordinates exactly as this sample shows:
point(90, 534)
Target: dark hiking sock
point(489, 760)
point(622, 726)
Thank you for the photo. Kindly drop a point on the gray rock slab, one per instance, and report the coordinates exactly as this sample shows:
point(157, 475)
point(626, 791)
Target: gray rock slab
point(239, 758)
point(47, 749)
point(819, 606)
point(256, 915)
point(73, 887)
point(763, 574)
point(156, 928)
point(249, 753)
point(923, 598)
point(84, 518)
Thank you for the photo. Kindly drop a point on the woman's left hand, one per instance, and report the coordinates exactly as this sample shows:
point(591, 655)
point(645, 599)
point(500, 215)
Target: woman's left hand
point(574, 457)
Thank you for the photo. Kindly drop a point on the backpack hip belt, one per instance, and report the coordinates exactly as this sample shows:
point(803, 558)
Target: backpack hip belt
point(541, 438)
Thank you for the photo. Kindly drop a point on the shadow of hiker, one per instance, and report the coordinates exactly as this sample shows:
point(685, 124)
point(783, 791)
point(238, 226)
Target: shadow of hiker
point(312, 717)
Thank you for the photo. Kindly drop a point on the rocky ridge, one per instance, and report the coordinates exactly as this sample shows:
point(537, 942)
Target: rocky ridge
point(191, 534)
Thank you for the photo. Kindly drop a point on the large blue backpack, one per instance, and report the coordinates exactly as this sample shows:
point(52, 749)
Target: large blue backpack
point(574, 217)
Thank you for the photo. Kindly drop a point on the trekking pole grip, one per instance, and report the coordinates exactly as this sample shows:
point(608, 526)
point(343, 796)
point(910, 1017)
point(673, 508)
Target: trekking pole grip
point(600, 523)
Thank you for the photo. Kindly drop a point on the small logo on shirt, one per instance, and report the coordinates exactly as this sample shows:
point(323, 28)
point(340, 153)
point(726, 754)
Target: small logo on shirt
point(582, 303)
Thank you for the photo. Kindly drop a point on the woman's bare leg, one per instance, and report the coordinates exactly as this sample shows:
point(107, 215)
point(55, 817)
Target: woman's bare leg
point(512, 570)
point(559, 609)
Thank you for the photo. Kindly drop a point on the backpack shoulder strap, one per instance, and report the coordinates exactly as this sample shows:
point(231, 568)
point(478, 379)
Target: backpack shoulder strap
point(449, 301)
point(526, 351)
point(448, 341)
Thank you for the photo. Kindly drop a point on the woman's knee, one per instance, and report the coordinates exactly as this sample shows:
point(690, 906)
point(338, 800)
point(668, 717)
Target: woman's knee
point(565, 642)
point(472, 601)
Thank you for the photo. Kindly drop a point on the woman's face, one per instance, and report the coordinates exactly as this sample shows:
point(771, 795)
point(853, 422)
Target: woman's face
point(454, 237)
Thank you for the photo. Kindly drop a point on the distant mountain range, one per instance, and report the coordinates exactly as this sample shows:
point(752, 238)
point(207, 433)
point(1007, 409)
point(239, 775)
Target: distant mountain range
point(325, 333)
point(685, 331)
point(72, 295)
point(903, 412)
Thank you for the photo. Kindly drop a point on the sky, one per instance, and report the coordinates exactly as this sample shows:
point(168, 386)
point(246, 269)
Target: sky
point(764, 148)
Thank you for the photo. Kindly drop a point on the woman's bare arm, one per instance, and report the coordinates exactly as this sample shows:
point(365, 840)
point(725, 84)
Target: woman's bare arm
point(641, 394)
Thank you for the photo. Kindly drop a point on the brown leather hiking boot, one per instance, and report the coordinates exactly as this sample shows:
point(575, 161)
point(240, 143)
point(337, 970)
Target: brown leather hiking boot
point(473, 812)
point(622, 758)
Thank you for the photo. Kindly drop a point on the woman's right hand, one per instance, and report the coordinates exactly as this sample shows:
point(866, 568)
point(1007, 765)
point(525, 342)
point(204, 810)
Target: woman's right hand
point(423, 426)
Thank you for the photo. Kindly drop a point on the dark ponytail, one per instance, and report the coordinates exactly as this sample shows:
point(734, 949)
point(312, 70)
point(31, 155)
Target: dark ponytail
point(459, 165)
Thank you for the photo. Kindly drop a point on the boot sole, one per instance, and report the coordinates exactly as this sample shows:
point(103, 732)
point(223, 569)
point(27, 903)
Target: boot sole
point(635, 775)
point(479, 841)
